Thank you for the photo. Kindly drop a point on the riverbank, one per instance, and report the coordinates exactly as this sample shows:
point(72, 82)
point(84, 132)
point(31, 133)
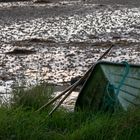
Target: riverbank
point(21, 121)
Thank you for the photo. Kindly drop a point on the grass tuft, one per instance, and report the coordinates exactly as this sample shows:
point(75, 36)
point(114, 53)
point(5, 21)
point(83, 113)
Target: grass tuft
point(32, 98)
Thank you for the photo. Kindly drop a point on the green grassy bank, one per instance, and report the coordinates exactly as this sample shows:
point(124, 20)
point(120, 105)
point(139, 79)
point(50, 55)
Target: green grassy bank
point(21, 122)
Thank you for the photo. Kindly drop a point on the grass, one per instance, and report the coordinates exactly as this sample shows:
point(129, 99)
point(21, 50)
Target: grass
point(32, 98)
point(21, 122)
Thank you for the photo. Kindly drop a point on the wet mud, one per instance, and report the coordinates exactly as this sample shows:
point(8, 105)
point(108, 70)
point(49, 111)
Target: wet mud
point(54, 42)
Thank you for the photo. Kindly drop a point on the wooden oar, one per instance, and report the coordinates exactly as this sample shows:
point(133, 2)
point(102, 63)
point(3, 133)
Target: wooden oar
point(72, 87)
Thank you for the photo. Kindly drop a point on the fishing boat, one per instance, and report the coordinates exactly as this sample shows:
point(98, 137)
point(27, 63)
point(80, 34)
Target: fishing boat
point(110, 86)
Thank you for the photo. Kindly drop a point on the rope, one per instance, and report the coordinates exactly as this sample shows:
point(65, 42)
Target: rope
point(126, 71)
point(109, 100)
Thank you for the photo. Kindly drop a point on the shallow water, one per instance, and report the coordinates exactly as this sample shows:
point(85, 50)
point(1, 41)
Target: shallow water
point(74, 35)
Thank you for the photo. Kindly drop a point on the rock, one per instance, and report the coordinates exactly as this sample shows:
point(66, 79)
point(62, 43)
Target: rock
point(21, 51)
point(70, 55)
point(75, 79)
point(91, 36)
point(42, 1)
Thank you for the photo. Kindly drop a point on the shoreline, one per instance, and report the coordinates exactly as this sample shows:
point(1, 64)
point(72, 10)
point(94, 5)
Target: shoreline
point(73, 37)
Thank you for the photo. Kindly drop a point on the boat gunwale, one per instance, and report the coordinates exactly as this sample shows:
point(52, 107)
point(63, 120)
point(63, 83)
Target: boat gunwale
point(116, 63)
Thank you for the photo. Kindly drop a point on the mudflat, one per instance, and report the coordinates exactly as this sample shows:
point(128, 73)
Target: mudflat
point(62, 39)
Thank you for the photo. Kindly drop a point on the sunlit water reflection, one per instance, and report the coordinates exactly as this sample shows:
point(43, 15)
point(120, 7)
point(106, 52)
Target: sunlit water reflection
point(69, 43)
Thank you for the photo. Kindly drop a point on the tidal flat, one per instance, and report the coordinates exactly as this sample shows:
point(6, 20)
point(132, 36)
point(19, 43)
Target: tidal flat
point(54, 42)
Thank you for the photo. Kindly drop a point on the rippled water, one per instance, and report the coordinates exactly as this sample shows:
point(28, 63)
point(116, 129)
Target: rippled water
point(71, 41)
point(104, 23)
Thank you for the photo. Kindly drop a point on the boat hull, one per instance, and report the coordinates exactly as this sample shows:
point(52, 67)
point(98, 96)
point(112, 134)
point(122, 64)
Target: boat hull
point(110, 86)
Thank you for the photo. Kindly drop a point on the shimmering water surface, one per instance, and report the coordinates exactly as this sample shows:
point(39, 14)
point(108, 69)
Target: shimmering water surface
point(66, 38)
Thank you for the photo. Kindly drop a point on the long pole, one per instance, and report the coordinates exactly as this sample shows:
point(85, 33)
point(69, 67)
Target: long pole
point(72, 87)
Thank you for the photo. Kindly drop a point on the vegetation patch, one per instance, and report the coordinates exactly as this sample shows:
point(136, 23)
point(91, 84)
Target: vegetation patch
point(21, 121)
